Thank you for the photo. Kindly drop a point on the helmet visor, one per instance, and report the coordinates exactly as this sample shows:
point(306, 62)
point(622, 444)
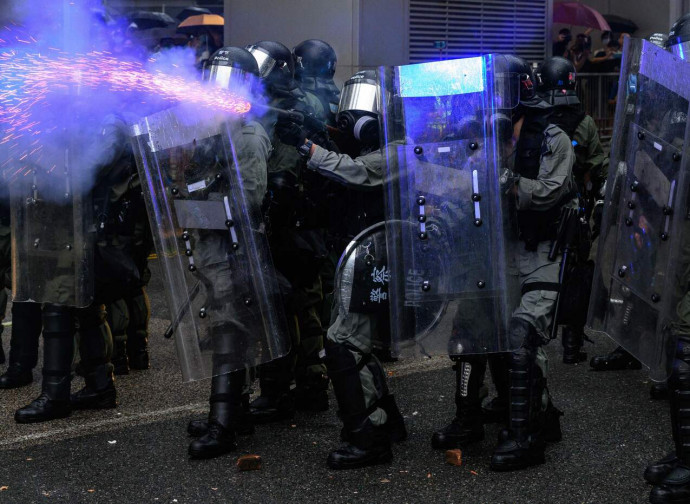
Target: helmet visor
point(362, 95)
point(227, 77)
point(263, 59)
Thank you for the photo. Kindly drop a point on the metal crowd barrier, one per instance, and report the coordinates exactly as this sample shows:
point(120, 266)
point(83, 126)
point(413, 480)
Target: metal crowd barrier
point(597, 93)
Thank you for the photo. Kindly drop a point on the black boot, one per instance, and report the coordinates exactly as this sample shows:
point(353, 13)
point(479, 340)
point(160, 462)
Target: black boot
point(617, 360)
point(675, 487)
point(58, 352)
point(199, 427)
point(573, 339)
point(496, 410)
point(95, 349)
point(468, 424)
point(227, 413)
point(90, 397)
point(657, 472)
point(139, 309)
point(120, 360)
point(525, 443)
point(26, 331)
point(276, 402)
point(366, 444)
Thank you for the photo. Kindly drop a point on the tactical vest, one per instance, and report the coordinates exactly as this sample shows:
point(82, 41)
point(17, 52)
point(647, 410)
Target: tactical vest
point(568, 119)
point(535, 226)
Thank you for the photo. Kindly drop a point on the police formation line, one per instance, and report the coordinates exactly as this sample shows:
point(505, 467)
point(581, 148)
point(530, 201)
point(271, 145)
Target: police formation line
point(447, 208)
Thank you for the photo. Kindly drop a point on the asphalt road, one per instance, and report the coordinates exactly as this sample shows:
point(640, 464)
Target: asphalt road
point(137, 453)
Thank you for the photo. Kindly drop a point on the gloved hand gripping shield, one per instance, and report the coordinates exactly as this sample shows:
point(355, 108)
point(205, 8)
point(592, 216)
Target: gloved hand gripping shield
point(644, 254)
point(52, 226)
point(210, 238)
point(450, 210)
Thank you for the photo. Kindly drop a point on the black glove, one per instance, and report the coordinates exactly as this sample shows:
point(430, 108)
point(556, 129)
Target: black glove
point(291, 133)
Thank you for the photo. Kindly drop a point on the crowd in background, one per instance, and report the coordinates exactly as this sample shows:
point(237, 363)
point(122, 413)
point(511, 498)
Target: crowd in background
point(603, 59)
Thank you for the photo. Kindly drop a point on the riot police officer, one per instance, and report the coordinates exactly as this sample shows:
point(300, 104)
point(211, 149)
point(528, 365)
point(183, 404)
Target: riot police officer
point(109, 156)
point(229, 402)
point(543, 160)
point(671, 474)
point(297, 246)
point(315, 62)
point(556, 85)
point(368, 410)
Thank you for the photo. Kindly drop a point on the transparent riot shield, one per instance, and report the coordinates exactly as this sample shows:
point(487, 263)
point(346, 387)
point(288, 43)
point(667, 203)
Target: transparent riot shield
point(451, 234)
point(211, 241)
point(643, 251)
point(52, 227)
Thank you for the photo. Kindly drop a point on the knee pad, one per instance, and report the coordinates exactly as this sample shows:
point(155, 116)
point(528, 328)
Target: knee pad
point(339, 359)
point(118, 319)
point(91, 316)
point(521, 333)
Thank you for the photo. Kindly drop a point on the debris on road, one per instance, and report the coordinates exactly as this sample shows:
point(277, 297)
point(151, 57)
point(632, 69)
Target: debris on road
point(454, 457)
point(249, 462)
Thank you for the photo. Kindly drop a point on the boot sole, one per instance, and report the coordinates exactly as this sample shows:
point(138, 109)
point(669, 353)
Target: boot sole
point(660, 500)
point(39, 419)
point(109, 403)
point(200, 455)
point(532, 461)
point(382, 458)
point(197, 433)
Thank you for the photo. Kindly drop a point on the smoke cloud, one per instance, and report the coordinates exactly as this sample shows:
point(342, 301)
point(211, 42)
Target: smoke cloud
point(66, 69)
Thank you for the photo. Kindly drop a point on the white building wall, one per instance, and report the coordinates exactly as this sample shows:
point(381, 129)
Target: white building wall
point(291, 22)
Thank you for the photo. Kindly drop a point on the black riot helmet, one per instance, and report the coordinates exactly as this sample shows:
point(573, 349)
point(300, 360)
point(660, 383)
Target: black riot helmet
point(517, 74)
point(314, 58)
point(522, 75)
point(231, 67)
point(315, 62)
point(556, 81)
point(275, 62)
point(679, 37)
point(359, 107)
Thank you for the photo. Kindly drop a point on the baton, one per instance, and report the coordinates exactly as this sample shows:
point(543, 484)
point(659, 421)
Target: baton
point(183, 311)
point(567, 231)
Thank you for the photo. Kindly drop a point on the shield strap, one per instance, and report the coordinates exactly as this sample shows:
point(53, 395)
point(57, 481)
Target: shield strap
point(545, 286)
